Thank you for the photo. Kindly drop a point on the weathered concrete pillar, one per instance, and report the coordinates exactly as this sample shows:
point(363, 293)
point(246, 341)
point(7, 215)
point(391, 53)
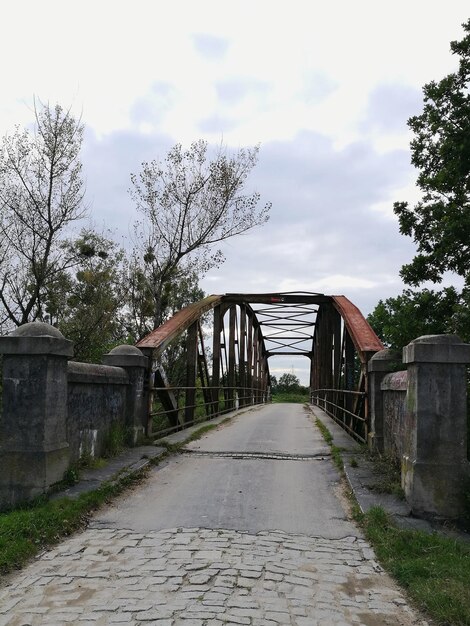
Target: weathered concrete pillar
point(379, 366)
point(34, 452)
point(435, 456)
point(135, 364)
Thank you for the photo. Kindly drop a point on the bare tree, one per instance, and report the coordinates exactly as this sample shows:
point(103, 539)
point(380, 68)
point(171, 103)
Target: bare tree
point(41, 193)
point(189, 203)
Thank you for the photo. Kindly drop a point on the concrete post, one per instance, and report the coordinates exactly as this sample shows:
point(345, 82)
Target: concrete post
point(33, 446)
point(378, 367)
point(135, 364)
point(434, 463)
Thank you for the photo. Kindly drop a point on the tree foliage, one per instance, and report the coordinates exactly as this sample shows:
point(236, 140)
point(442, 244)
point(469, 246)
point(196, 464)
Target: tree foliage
point(189, 203)
point(89, 309)
point(273, 383)
point(288, 383)
point(179, 290)
point(440, 222)
point(41, 194)
point(397, 321)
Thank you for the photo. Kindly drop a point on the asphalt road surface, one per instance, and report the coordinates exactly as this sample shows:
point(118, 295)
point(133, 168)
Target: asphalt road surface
point(267, 469)
point(242, 529)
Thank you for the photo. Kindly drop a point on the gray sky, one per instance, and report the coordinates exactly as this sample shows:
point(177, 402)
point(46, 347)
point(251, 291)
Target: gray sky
point(326, 89)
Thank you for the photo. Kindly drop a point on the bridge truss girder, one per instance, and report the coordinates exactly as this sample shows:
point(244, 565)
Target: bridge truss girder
point(248, 329)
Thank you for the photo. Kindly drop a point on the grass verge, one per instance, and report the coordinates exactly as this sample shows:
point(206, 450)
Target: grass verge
point(434, 570)
point(26, 531)
point(335, 450)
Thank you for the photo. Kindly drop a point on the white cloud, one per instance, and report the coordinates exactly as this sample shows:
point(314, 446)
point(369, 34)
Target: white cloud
point(325, 87)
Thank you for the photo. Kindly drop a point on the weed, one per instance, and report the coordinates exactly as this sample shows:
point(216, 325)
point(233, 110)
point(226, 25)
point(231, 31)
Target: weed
point(71, 477)
point(327, 436)
point(31, 528)
point(435, 570)
point(337, 458)
point(354, 462)
point(115, 441)
point(389, 471)
point(335, 450)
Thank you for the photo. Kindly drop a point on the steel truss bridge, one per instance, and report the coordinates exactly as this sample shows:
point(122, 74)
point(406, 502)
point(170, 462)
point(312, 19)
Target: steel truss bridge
point(223, 345)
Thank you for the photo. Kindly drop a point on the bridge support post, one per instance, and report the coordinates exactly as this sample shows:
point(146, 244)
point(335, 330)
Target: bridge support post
point(215, 378)
point(242, 358)
point(379, 366)
point(33, 429)
point(249, 366)
point(231, 374)
point(435, 465)
point(135, 363)
point(191, 372)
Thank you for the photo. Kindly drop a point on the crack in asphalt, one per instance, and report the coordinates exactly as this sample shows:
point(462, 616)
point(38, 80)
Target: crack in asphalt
point(276, 456)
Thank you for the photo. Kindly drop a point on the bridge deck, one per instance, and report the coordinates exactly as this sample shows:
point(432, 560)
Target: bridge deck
point(245, 528)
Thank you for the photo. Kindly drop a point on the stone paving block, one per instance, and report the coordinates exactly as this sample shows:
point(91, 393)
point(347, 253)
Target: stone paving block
point(300, 587)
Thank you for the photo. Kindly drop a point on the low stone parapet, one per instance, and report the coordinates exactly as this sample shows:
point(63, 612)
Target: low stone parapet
point(55, 412)
point(419, 416)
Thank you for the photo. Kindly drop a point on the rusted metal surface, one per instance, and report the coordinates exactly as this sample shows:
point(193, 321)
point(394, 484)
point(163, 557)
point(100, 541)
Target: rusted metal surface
point(166, 396)
point(248, 329)
point(161, 337)
point(341, 334)
point(333, 402)
point(277, 298)
point(364, 338)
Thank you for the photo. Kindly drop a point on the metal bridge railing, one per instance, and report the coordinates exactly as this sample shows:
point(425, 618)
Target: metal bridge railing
point(224, 400)
point(346, 407)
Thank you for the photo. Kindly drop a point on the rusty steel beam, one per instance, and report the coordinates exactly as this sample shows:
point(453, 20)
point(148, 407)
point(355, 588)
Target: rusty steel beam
point(329, 330)
point(166, 396)
point(289, 353)
point(191, 371)
point(276, 298)
point(231, 356)
point(364, 338)
point(249, 354)
point(160, 338)
point(242, 355)
point(204, 374)
point(217, 329)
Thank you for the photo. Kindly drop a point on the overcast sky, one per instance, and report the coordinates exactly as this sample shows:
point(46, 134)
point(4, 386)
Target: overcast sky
point(325, 88)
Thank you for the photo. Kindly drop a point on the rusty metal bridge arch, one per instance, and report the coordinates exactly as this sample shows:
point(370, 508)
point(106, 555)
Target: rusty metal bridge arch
point(244, 332)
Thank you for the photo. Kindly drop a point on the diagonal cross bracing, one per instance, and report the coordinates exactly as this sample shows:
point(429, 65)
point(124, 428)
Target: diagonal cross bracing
point(248, 329)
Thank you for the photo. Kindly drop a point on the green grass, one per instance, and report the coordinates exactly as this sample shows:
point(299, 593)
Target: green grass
point(434, 570)
point(335, 450)
point(291, 397)
point(26, 531)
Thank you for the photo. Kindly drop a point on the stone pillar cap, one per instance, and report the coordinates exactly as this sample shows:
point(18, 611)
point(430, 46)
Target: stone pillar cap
point(37, 329)
point(438, 339)
point(125, 356)
point(36, 338)
point(437, 349)
point(380, 361)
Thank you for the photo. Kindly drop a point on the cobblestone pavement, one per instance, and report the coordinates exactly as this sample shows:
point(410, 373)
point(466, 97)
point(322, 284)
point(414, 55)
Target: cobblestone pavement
point(198, 577)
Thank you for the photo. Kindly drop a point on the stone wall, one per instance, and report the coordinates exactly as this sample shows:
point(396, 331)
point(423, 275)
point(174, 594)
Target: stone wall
point(55, 411)
point(96, 403)
point(396, 425)
point(420, 416)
